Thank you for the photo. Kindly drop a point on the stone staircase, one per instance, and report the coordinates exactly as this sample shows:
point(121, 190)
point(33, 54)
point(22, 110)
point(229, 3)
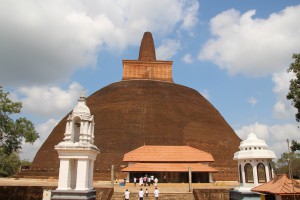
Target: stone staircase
point(169, 196)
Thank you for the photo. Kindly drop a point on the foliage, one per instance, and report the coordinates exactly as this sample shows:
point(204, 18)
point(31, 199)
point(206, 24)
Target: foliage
point(25, 163)
point(282, 167)
point(295, 146)
point(12, 132)
point(294, 90)
point(9, 163)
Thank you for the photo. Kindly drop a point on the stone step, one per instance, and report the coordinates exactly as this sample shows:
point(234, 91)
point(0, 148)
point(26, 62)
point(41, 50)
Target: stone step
point(169, 196)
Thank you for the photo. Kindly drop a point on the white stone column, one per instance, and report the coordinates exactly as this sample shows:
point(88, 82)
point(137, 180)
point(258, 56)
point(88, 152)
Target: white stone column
point(89, 133)
point(82, 174)
point(64, 175)
point(128, 177)
point(267, 170)
point(91, 165)
point(73, 173)
point(255, 178)
point(210, 177)
point(243, 174)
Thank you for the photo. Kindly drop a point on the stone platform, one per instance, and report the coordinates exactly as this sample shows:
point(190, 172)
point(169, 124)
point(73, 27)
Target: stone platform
point(103, 188)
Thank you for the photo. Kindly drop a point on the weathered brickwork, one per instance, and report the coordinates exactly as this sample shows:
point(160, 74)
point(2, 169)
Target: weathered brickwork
point(156, 70)
point(211, 194)
point(36, 192)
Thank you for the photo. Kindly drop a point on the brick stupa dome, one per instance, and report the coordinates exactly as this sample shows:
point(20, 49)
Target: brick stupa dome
point(147, 107)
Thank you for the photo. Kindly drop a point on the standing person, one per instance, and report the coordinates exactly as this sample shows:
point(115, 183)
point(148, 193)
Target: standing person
point(134, 181)
point(152, 179)
point(146, 192)
point(148, 181)
point(141, 181)
point(165, 178)
point(155, 182)
point(126, 194)
point(145, 180)
point(141, 194)
point(156, 193)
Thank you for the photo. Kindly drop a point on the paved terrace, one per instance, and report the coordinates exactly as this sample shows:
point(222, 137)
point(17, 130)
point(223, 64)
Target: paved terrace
point(163, 187)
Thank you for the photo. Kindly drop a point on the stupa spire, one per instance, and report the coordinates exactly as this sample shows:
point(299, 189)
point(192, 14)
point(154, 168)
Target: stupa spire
point(147, 67)
point(147, 49)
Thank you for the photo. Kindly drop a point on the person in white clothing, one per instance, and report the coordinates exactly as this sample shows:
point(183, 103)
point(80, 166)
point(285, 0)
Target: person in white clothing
point(134, 181)
point(155, 182)
point(126, 194)
point(152, 179)
point(141, 194)
point(156, 193)
point(141, 181)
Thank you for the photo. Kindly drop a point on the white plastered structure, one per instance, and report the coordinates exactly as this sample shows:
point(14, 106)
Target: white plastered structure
point(254, 163)
point(77, 151)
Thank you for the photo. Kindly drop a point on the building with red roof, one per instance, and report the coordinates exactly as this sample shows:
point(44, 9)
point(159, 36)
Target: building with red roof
point(172, 162)
point(281, 187)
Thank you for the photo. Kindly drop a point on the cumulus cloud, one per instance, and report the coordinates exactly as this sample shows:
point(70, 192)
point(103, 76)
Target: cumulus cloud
point(44, 41)
point(274, 135)
point(49, 102)
point(187, 58)
point(167, 49)
point(283, 108)
point(29, 150)
point(190, 16)
point(244, 44)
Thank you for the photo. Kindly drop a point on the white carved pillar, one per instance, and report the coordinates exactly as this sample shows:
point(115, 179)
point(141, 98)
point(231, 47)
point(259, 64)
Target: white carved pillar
point(82, 174)
point(267, 172)
point(90, 132)
point(91, 165)
point(255, 178)
point(64, 175)
point(243, 174)
point(210, 177)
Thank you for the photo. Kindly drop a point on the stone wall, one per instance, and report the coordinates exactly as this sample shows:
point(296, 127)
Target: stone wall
point(36, 192)
point(211, 194)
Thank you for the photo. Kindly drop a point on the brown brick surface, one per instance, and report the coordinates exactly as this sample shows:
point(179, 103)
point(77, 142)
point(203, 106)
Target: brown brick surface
point(129, 114)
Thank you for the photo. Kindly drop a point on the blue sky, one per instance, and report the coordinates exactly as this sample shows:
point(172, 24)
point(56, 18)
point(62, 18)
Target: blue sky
point(235, 53)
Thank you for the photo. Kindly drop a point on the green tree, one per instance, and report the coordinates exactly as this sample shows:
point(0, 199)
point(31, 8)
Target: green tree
point(295, 146)
point(282, 164)
point(13, 131)
point(9, 164)
point(294, 90)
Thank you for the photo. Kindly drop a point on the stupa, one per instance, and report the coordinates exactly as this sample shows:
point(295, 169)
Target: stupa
point(147, 107)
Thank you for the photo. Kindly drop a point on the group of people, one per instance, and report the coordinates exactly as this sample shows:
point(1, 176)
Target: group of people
point(146, 180)
point(142, 194)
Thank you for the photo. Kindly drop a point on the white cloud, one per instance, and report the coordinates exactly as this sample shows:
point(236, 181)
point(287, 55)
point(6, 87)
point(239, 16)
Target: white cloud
point(167, 49)
point(29, 151)
point(187, 58)
point(252, 101)
point(275, 135)
point(253, 46)
point(283, 108)
point(43, 41)
point(190, 16)
point(49, 102)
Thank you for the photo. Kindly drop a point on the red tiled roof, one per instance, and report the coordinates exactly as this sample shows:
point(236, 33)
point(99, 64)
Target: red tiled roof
point(167, 154)
point(168, 167)
point(279, 185)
